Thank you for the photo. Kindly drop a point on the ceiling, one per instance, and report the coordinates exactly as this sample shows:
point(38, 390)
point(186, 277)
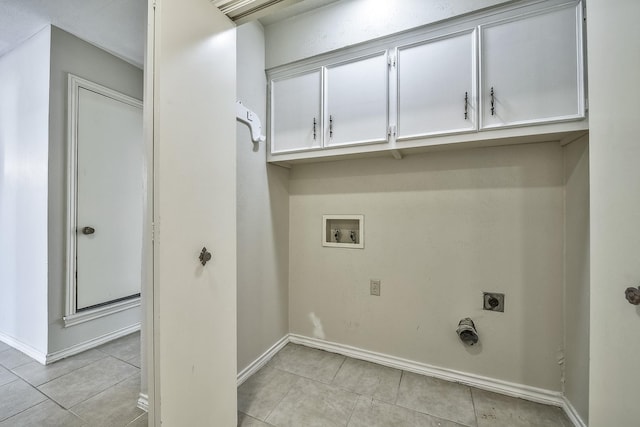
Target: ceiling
point(118, 26)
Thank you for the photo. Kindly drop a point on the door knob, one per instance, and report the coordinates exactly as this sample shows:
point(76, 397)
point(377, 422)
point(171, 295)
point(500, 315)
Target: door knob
point(632, 295)
point(88, 230)
point(204, 256)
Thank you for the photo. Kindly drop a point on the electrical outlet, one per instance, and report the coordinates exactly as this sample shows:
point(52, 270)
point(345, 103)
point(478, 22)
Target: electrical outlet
point(374, 286)
point(493, 301)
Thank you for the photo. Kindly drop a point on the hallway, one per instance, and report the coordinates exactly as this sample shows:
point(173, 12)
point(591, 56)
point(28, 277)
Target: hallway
point(98, 387)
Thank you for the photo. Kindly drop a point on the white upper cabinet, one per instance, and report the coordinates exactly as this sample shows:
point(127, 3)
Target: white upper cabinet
point(437, 86)
point(356, 101)
point(506, 75)
point(532, 68)
point(296, 123)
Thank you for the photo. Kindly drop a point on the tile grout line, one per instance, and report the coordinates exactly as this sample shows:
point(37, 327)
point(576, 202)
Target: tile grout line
point(25, 409)
point(59, 376)
point(283, 397)
point(353, 410)
point(473, 404)
point(395, 401)
point(89, 397)
point(68, 373)
point(102, 391)
point(344, 359)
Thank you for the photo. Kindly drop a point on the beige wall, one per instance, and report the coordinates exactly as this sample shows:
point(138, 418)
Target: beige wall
point(440, 228)
point(614, 150)
point(347, 22)
point(262, 215)
point(576, 299)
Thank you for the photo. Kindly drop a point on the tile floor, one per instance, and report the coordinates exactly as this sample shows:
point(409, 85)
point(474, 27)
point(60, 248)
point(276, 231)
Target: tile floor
point(299, 387)
point(304, 387)
point(98, 387)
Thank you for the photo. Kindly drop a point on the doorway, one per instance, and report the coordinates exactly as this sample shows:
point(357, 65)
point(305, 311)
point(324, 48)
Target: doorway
point(106, 200)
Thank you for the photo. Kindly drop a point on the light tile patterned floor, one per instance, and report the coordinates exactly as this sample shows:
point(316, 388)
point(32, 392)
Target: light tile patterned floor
point(299, 387)
point(304, 387)
point(98, 387)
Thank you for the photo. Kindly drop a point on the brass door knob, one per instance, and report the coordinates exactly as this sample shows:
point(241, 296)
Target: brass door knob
point(632, 295)
point(88, 230)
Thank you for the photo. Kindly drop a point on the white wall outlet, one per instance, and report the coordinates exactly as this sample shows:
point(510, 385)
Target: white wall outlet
point(374, 286)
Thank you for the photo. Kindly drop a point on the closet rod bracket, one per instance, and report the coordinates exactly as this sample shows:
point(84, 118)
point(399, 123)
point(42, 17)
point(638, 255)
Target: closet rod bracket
point(251, 119)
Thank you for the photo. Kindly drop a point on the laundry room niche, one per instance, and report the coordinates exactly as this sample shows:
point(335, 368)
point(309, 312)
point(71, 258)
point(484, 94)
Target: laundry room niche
point(343, 231)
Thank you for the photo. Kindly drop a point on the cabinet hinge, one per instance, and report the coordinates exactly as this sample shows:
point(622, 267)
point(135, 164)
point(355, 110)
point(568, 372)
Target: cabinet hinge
point(391, 131)
point(391, 59)
point(153, 232)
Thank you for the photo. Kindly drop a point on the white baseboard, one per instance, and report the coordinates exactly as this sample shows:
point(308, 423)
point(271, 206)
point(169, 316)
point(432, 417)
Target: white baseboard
point(92, 343)
point(548, 397)
point(262, 360)
point(572, 414)
point(25, 348)
point(143, 402)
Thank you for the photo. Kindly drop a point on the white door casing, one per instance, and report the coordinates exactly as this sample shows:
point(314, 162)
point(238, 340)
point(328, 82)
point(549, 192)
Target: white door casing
point(194, 68)
point(106, 193)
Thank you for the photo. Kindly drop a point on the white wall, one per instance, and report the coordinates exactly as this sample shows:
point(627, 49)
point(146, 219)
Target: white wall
point(24, 115)
point(348, 22)
point(576, 293)
point(262, 215)
point(69, 54)
point(614, 59)
point(440, 228)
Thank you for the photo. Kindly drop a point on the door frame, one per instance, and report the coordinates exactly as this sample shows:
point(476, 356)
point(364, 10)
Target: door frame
point(72, 315)
point(150, 372)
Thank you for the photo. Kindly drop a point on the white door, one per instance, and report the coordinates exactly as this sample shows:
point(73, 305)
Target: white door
point(295, 112)
point(614, 175)
point(194, 95)
point(110, 195)
point(437, 86)
point(531, 68)
point(357, 98)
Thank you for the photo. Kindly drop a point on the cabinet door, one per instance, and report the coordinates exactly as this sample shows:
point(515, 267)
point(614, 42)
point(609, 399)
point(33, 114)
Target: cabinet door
point(295, 113)
point(357, 97)
point(437, 86)
point(531, 68)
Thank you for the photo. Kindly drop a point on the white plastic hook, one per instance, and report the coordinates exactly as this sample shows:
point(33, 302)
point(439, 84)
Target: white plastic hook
point(244, 115)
